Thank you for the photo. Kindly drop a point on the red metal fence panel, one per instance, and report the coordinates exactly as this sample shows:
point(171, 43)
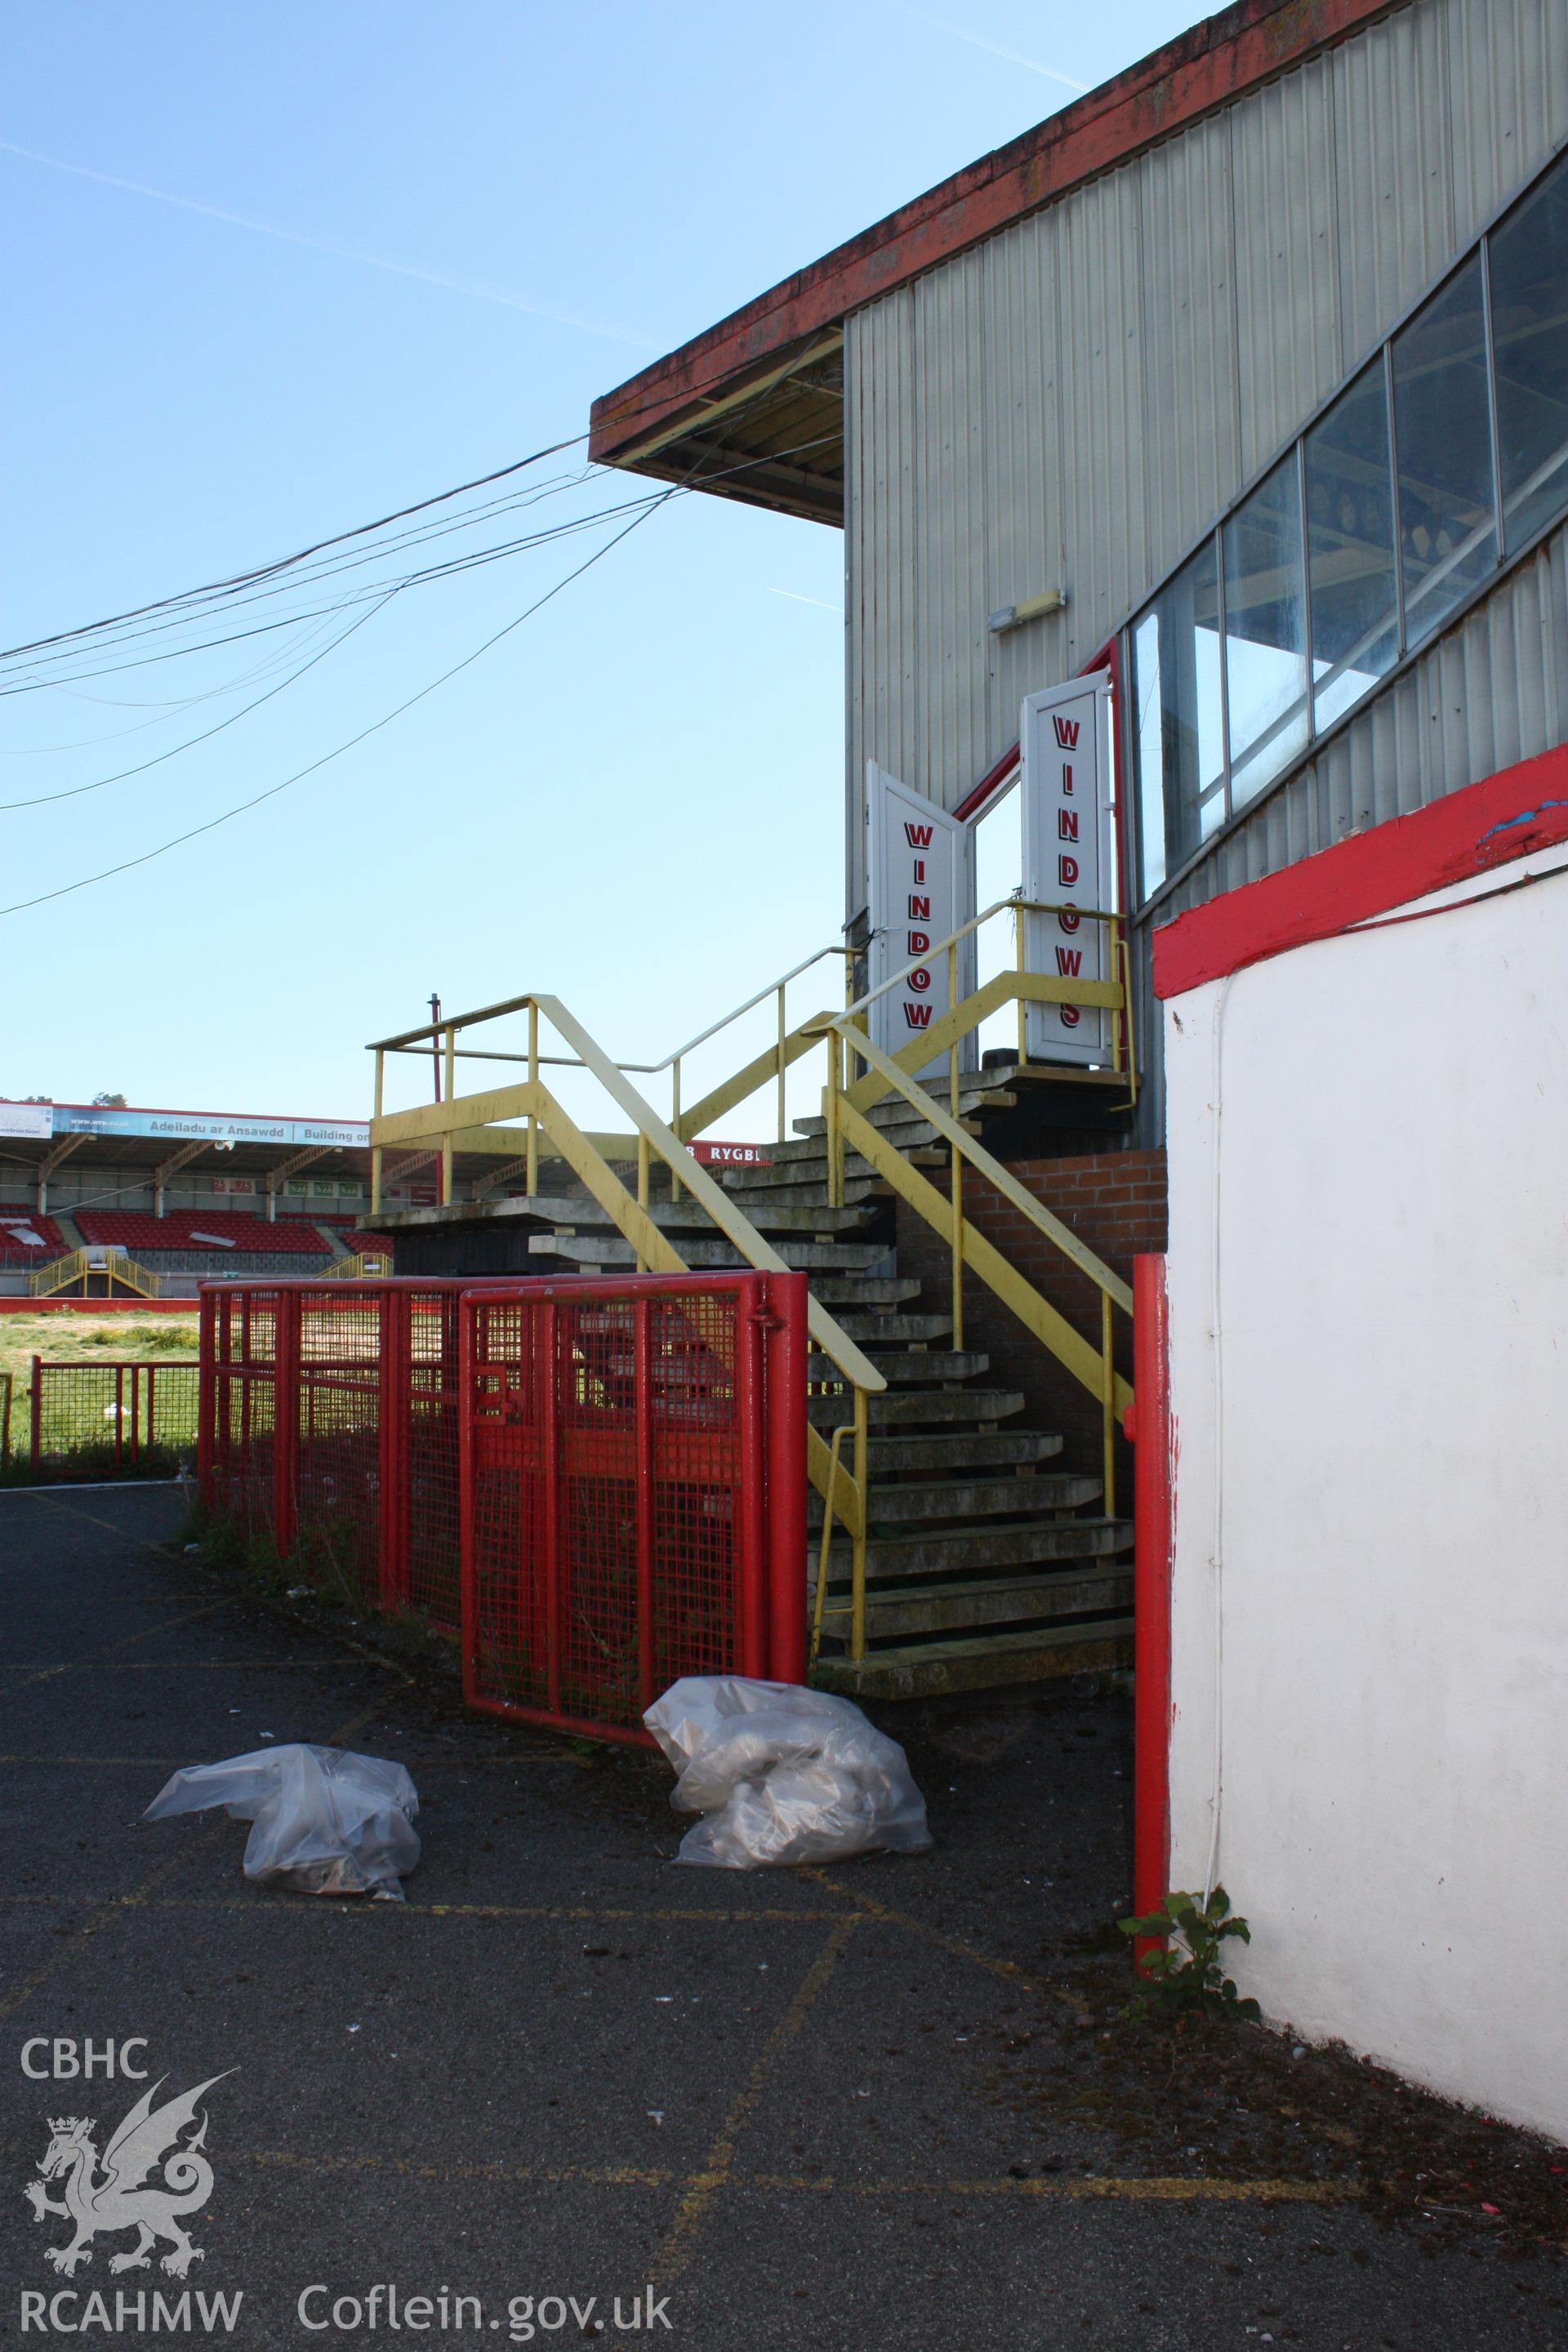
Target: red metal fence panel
point(330, 1425)
point(107, 1419)
point(634, 1487)
point(600, 1484)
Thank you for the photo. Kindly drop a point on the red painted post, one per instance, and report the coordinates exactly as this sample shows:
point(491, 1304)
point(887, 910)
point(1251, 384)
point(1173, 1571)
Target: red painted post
point(467, 1407)
point(394, 1410)
point(642, 1400)
point(545, 1351)
point(285, 1419)
point(787, 1383)
point(206, 1399)
point(1152, 1532)
point(747, 1444)
point(36, 1435)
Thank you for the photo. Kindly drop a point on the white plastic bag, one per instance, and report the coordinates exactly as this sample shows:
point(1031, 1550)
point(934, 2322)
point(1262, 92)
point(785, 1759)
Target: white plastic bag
point(782, 1774)
point(326, 1822)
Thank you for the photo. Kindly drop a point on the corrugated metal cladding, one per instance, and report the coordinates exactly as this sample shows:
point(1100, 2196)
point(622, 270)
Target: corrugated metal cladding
point(1072, 402)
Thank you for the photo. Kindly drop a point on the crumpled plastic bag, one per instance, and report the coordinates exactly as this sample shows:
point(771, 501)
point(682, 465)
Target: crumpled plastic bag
point(326, 1822)
point(782, 1774)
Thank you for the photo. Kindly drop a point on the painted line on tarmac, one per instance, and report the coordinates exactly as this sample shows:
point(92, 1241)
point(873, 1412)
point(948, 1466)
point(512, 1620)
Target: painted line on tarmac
point(617, 2176)
point(867, 1907)
point(414, 1764)
point(719, 2170)
point(1151, 2188)
point(581, 1914)
point(108, 1657)
point(1175, 2189)
point(114, 1906)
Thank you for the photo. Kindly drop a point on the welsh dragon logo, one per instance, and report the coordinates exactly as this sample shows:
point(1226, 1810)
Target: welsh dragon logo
point(115, 2198)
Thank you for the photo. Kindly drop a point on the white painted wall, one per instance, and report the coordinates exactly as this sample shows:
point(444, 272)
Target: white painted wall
point(1379, 1661)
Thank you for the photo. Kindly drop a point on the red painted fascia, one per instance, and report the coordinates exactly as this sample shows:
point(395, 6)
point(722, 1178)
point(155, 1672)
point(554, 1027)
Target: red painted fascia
point(1205, 68)
point(1509, 815)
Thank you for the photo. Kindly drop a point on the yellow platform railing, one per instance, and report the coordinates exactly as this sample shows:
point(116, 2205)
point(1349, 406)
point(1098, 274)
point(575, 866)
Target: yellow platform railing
point(531, 1101)
point(78, 1264)
point(858, 1076)
point(360, 1266)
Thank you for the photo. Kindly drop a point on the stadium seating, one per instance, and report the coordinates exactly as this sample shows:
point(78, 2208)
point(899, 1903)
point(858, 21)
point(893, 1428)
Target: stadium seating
point(145, 1236)
point(15, 1251)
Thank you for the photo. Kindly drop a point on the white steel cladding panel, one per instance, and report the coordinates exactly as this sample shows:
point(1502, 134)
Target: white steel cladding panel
point(920, 892)
point(1069, 858)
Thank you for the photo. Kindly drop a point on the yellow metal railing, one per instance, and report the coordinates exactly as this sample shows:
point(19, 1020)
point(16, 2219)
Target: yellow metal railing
point(360, 1266)
point(77, 1265)
point(848, 1128)
point(860, 1075)
point(843, 1491)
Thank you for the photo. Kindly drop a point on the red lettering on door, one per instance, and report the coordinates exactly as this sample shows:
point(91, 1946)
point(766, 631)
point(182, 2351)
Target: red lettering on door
point(1066, 871)
point(1070, 1014)
point(920, 869)
point(919, 942)
point(1067, 778)
point(919, 979)
point(1066, 733)
point(1069, 919)
point(1069, 962)
point(1067, 824)
point(917, 1016)
point(919, 835)
point(920, 909)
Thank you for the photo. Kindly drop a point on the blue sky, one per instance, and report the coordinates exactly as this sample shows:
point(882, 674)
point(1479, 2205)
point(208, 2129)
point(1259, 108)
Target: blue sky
point(411, 245)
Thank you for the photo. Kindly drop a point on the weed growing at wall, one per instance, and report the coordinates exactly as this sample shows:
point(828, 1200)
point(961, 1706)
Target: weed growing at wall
point(1189, 1978)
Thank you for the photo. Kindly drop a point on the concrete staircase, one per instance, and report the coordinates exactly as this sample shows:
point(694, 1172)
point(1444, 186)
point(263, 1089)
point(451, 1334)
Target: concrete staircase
point(987, 1561)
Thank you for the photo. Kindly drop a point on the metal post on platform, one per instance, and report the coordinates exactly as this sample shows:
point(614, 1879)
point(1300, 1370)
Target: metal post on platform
point(446, 1144)
point(36, 1425)
point(955, 1158)
point(782, 1123)
point(375, 1148)
point(858, 1541)
point(1108, 1403)
point(532, 1179)
point(784, 1361)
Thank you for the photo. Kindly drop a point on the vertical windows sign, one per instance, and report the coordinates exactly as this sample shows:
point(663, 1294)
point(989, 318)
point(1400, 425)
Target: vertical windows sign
point(921, 890)
point(1069, 861)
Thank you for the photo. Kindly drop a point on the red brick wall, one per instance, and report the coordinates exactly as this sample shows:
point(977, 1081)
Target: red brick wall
point(1114, 1201)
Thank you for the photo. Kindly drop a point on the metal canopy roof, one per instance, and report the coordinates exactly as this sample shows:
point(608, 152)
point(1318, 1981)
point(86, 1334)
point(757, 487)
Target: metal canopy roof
point(753, 408)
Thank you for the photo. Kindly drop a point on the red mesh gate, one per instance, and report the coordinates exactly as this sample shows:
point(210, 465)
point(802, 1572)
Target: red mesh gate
point(634, 1491)
point(328, 1422)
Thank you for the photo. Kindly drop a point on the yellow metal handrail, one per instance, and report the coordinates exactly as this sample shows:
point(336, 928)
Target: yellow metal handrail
point(844, 1492)
point(77, 1265)
point(848, 1126)
point(360, 1266)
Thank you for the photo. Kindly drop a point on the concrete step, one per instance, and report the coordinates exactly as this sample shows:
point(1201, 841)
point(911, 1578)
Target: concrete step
point(949, 1550)
point(705, 1253)
point(890, 1329)
point(1027, 1495)
point(754, 1201)
point(863, 1290)
point(918, 1407)
point(983, 1661)
point(926, 1365)
point(685, 1215)
point(902, 1133)
point(972, 1450)
point(971, 1604)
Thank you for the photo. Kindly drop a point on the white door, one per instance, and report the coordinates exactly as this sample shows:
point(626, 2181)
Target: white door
point(1069, 858)
point(922, 890)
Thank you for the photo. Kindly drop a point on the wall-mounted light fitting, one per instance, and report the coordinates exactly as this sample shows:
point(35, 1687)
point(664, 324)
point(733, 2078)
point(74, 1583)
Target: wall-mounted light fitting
point(1028, 608)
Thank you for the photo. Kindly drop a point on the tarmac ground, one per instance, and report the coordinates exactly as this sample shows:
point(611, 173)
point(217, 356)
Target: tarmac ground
point(894, 2103)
